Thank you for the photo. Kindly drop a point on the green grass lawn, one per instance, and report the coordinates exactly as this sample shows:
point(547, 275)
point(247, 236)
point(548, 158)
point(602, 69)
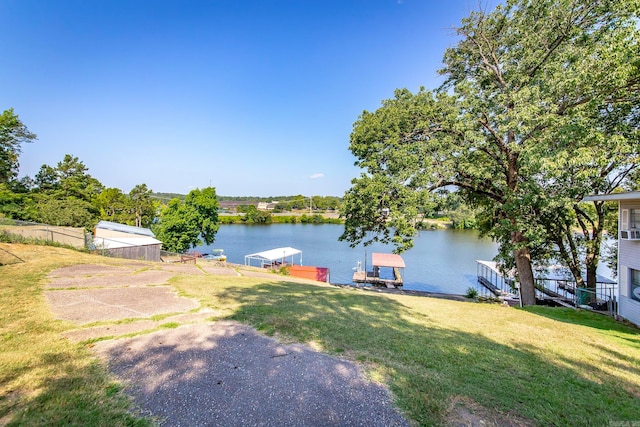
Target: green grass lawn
point(440, 358)
point(553, 366)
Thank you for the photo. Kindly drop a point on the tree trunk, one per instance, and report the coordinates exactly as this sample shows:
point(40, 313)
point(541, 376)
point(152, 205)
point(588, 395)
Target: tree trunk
point(591, 261)
point(525, 271)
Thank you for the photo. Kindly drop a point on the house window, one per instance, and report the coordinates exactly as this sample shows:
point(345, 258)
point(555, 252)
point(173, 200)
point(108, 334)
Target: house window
point(634, 218)
point(635, 284)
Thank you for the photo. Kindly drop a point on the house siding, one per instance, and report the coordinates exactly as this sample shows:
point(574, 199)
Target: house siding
point(628, 258)
point(629, 309)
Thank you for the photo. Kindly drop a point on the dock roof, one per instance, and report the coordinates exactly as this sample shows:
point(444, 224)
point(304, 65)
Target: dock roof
point(274, 254)
point(387, 260)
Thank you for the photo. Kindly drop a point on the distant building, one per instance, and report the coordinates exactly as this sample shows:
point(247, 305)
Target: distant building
point(126, 241)
point(264, 206)
point(628, 252)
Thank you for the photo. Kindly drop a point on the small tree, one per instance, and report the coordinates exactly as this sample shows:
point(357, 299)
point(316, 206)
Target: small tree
point(67, 194)
point(141, 206)
point(181, 224)
point(13, 133)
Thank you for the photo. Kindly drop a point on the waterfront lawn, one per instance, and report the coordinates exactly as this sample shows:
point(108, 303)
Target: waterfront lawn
point(444, 359)
point(45, 379)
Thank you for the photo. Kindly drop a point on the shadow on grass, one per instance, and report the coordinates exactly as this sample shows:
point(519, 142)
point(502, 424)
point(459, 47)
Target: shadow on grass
point(428, 366)
point(73, 396)
point(227, 374)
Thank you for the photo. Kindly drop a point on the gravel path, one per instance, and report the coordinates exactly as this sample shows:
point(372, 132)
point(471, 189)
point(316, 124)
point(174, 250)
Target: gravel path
point(226, 374)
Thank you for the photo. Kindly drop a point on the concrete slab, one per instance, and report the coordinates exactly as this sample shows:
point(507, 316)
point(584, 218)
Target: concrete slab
point(143, 278)
point(179, 268)
point(91, 269)
point(108, 331)
point(83, 306)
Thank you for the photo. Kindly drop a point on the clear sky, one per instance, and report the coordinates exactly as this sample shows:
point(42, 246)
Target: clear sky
point(255, 97)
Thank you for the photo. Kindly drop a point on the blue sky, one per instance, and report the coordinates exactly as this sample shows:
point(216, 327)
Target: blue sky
point(252, 97)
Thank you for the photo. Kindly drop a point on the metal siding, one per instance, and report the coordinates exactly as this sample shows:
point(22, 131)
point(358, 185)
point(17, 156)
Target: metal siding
point(629, 309)
point(629, 250)
point(123, 228)
point(147, 253)
point(629, 253)
point(628, 257)
point(623, 280)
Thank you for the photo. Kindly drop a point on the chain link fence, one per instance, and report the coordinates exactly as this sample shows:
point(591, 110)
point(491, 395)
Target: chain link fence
point(36, 232)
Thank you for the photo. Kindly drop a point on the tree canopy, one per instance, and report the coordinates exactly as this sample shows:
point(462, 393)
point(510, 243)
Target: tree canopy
point(530, 88)
point(13, 133)
point(182, 224)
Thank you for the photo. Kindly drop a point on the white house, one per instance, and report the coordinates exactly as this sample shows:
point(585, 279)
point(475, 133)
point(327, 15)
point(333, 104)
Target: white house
point(628, 252)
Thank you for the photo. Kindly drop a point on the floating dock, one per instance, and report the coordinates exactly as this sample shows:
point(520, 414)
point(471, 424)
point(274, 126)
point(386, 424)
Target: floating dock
point(382, 261)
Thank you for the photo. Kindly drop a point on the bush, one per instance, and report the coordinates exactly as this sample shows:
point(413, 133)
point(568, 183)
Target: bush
point(471, 293)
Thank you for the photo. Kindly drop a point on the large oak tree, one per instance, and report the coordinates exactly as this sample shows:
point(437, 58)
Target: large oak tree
point(524, 85)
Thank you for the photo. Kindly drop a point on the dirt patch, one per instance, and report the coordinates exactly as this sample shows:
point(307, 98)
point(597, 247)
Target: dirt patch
point(464, 412)
point(92, 305)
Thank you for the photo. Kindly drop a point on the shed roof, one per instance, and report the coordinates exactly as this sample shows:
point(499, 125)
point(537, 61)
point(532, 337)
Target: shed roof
point(124, 242)
point(124, 228)
point(387, 260)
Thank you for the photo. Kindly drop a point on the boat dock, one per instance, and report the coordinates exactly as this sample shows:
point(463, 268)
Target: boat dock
point(490, 278)
point(374, 277)
point(554, 284)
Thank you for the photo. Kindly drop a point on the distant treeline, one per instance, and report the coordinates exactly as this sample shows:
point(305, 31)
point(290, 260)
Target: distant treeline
point(279, 203)
point(267, 218)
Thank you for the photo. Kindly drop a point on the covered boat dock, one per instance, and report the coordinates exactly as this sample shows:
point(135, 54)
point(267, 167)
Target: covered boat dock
point(374, 277)
point(274, 258)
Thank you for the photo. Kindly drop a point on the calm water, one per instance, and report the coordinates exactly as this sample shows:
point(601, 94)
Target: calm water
point(441, 260)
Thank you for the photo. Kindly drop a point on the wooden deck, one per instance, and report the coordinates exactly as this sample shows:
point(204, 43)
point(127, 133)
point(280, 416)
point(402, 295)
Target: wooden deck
point(373, 279)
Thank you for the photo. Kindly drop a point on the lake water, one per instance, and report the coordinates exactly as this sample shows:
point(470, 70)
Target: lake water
point(441, 260)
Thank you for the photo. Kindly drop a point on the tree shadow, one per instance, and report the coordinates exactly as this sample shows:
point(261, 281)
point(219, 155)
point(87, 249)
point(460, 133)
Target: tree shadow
point(77, 394)
point(428, 365)
point(228, 374)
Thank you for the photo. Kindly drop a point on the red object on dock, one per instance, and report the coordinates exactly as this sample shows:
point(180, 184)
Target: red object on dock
point(320, 274)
